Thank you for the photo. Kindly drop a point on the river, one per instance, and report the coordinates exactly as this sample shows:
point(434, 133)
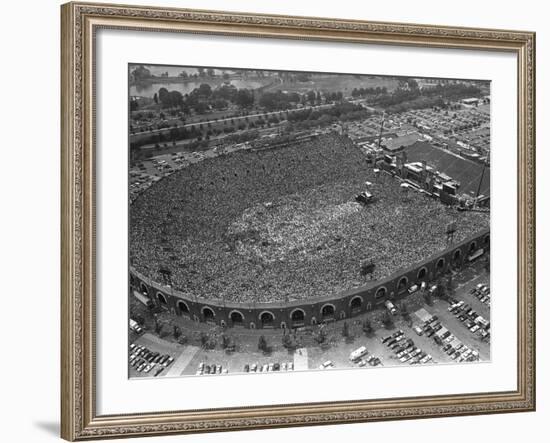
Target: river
point(185, 87)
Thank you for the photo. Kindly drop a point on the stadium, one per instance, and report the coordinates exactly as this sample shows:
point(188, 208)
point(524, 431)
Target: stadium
point(274, 236)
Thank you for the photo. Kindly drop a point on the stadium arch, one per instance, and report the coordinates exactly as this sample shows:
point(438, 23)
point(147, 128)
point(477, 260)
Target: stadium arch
point(267, 318)
point(473, 246)
point(356, 302)
point(422, 273)
point(183, 308)
point(161, 298)
point(298, 316)
point(402, 284)
point(457, 257)
point(327, 311)
point(208, 313)
point(381, 292)
point(143, 289)
point(236, 317)
point(440, 266)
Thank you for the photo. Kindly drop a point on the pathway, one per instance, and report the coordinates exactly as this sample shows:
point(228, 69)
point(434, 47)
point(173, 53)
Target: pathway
point(182, 361)
point(300, 359)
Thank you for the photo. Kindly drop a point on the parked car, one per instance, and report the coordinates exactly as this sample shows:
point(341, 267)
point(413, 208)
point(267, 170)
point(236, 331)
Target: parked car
point(326, 365)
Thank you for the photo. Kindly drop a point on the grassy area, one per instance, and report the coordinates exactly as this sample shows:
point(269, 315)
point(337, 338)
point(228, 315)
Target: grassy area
point(336, 83)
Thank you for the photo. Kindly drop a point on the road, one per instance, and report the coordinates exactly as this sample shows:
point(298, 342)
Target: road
point(236, 118)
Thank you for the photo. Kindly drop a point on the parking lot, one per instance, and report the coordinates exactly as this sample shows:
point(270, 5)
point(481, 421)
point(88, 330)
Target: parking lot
point(335, 352)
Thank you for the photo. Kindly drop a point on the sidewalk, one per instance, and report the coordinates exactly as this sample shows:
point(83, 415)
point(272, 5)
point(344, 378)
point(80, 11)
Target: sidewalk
point(300, 359)
point(182, 361)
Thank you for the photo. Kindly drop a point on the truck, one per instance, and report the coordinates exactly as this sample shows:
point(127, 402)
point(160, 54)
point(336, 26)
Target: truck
point(358, 353)
point(390, 307)
point(134, 326)
point(143, 299)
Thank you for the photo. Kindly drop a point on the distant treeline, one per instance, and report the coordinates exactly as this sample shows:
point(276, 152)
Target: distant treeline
point(412, 97)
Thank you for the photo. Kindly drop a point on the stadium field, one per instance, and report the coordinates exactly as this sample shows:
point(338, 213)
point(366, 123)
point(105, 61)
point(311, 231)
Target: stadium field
point(467, 172)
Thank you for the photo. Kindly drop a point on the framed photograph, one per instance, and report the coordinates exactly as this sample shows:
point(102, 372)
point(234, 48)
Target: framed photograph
point(282, 221)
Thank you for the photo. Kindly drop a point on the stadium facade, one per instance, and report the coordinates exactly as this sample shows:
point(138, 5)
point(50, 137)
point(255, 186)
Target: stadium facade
point(313, 310)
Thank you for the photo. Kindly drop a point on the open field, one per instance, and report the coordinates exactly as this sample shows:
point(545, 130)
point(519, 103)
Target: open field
point(336, 83)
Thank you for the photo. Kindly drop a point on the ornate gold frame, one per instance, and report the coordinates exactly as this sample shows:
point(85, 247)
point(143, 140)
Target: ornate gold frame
point(79, 420)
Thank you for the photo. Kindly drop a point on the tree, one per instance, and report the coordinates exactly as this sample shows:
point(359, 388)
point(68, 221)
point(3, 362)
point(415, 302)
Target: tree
point(225, 341)
point(387, 320)
point(318, 97)
point(288, 342)
point(244, 98)
point(176, 332)
point(345, 330)
point(204, 339)
point(262, 344)
point(141, 73)
point(449, 289)
point(156, 98)
point(367, 327)
point(158, 326)
point(405, 312)
point(204, 90)
point(175, 99)
point(163, 95)
point(201, 108)
point(321, 336)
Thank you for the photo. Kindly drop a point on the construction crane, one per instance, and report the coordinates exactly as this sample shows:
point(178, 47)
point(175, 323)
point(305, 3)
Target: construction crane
point(481, 178)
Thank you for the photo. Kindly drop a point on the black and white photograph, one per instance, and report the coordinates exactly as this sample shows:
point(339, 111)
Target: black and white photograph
point(287, 221)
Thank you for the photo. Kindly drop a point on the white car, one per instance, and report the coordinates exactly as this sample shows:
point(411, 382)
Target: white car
point(426, 359)
point(327, 364)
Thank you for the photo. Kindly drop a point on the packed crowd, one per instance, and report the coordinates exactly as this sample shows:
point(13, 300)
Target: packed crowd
point(281, 224)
